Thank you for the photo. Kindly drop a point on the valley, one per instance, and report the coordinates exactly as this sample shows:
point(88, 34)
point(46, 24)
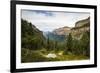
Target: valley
point(62, 44)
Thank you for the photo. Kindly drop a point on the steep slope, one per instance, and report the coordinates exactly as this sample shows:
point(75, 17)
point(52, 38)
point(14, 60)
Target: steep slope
point(85, 22)
point(30, 35)
point(81, 27)
point(62, 31)
point(29, 29)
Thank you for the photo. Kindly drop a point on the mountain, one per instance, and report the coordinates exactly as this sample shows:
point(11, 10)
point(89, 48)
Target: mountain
point(62, 31)
point(53, 36)
point(30, 35)
point(83, 22)
point(29, 29)
point(81, 27)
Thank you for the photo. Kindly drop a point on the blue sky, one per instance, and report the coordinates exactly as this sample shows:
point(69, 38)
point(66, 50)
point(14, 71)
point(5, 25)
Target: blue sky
point(50, 20)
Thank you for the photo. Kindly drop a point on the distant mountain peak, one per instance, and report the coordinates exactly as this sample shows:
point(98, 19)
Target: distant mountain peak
point(62, 31)
point(81, 26)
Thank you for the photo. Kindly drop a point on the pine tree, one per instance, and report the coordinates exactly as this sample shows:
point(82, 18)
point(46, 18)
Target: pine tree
point(69, 43)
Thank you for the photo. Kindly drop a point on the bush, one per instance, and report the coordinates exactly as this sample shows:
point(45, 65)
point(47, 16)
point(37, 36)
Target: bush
point(31, 56)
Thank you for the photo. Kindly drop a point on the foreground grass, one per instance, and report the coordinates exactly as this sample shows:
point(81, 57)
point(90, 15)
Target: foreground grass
point(40, 56)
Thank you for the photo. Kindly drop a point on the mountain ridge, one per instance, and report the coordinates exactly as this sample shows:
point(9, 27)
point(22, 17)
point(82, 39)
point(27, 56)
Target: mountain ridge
point(81, 26)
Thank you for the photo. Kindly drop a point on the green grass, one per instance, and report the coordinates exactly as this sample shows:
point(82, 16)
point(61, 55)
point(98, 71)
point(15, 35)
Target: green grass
point(40, 56)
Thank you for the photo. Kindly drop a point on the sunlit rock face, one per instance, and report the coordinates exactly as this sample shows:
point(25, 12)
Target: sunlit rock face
point(83, 22)
point(81, 26)
point(51, 55)
point(62, 31)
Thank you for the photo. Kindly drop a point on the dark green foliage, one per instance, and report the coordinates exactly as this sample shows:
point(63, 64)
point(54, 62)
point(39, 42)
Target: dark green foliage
point(69, 43)
point(31, 56)
point(85, 40)
point(78, 46)
point(31, 37)
point(82, 46)
point(34, 45)
point(50, 44)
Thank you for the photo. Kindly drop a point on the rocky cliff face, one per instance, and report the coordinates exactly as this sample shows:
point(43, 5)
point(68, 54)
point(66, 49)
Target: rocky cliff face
point(62, 31)
point(80, 28)
point(77, 31)
point(83, 22)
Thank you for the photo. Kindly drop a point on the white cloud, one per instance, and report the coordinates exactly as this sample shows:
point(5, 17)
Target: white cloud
point(48, 21)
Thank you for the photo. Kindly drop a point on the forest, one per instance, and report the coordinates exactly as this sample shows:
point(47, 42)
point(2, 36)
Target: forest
point(35, 47)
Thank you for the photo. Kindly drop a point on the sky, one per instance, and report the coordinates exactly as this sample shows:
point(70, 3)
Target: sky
point(50, 20)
